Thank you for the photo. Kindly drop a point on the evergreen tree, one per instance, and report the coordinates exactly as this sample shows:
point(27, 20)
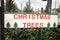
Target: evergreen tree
point(58, 9)
point(10, 6)
point(28, 8)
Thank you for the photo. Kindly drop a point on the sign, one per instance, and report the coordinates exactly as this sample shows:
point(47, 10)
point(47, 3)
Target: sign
point(58, 18)
point(30, 20)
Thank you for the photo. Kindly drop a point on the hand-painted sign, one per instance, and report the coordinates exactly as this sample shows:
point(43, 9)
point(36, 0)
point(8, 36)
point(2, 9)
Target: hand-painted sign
point(30, 20)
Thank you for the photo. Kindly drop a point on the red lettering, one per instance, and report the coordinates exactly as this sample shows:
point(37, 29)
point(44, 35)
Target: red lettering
point(24, 25)
point(16, 16)
point(41, 25)
point(24, 16)
point(33, 25)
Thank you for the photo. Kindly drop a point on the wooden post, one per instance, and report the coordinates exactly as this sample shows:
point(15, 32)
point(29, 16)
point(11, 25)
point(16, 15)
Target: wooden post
point(40, 34)
point(2, 19)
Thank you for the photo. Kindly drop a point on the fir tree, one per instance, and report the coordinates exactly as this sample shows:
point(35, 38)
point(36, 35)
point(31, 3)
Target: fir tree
point(10, 6)
point(28, 8)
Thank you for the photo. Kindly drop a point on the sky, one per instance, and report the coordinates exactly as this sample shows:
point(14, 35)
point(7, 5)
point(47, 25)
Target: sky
point(35, 4)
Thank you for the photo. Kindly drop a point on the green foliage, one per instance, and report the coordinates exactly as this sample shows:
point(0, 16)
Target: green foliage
point(27, 8)
point(46, 11)
point(32, 34)
point(58, 10)
point(10, 6)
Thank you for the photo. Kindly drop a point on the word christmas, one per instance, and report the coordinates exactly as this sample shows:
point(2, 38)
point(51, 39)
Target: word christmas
point(31, 16)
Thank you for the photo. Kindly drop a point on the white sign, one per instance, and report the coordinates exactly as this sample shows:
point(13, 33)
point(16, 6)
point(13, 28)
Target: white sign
point(30, 20)
point(58, 18)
